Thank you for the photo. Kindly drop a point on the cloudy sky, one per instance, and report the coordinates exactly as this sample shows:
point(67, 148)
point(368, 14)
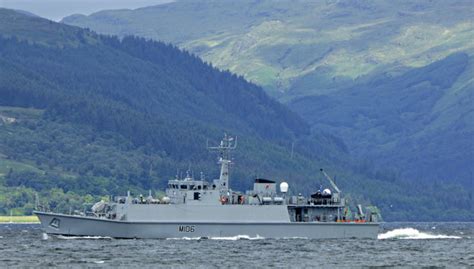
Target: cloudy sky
point(58, 9)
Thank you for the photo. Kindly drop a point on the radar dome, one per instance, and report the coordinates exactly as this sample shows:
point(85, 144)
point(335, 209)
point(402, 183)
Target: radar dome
point(327, 191)
point(284, 187)
point(165, 200)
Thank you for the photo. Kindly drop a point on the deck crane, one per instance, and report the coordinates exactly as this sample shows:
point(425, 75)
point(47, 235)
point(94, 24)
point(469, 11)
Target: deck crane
point(330, 181)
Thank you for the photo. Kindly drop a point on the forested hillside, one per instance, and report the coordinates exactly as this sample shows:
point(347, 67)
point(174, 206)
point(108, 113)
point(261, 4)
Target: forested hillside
point(101, 115)
point(422, 120)
point(294, 48)
point(393, 79)
point(84, 115)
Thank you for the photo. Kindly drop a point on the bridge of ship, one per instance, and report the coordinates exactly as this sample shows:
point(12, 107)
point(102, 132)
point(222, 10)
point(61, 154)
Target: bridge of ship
point(192, 194)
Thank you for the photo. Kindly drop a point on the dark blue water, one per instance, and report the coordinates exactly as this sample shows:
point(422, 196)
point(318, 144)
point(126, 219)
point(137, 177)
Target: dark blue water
point(399, 244)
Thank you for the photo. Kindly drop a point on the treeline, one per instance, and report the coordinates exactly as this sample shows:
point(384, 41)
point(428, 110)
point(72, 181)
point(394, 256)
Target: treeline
point(112, 89)
point(126, 114)
point(120, 115)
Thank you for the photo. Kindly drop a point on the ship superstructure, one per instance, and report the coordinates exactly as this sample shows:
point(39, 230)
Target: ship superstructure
point(198, 208)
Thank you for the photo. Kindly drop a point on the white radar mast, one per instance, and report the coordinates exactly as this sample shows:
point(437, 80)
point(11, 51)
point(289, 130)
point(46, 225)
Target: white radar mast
point(227, 144)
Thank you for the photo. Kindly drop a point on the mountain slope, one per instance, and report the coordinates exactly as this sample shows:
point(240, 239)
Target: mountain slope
point(300, 47)
point(113, 114)
point(86, 115)
point(344, 66)
point(421, 120)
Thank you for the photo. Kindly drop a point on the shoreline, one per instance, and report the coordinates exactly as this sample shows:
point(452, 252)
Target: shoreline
point(19, 219)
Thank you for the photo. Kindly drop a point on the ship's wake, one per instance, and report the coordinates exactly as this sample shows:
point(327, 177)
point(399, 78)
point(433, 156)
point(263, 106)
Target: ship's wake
point(68, 237)
point(411, 233)
point(229, 238)
point(238, 237)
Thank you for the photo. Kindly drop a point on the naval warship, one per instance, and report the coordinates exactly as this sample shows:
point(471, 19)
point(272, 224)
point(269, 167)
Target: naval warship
point(196, 208)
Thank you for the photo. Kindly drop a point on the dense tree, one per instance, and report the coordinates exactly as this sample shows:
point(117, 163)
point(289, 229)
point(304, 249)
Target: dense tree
point(97, 116)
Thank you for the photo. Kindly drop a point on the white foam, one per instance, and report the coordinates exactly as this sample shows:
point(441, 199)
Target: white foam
point(295, 238)
point(99, 262)
point(411, 233)
point(230, 238)
point(44, 236)
point(185, 238)
point(237, 237)
point(82, 237)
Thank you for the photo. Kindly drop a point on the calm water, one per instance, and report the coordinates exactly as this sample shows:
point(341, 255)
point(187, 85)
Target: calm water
point(399, 244)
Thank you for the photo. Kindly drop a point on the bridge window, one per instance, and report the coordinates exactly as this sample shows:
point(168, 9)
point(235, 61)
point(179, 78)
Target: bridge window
point(184, 187)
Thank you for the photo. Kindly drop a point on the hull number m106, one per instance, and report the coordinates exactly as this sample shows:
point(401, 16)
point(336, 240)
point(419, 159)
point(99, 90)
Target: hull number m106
point(186, 228)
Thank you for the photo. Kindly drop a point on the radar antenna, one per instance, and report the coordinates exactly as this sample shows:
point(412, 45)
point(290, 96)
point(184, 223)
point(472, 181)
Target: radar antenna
point(227, 144)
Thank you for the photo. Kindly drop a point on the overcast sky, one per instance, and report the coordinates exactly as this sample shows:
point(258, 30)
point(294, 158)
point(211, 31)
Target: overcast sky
point(58, 9)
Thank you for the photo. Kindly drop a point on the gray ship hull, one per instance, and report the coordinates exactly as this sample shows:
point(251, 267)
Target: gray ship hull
point(70, 225)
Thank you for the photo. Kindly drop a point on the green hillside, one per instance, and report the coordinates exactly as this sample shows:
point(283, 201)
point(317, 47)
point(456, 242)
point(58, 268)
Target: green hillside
point(343, 66)
point(85, 116)
point(278, 43)
point(421, 120)
point(91, 114)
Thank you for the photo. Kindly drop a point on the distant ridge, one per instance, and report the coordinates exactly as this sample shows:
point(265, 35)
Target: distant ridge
point(26, 13)
point(392, 79)
point(97, 115)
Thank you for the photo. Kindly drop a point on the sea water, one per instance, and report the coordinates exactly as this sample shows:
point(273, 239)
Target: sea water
point(398, 244)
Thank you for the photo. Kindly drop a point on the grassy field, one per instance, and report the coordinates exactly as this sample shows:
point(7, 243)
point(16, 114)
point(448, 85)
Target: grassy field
point(18, 219)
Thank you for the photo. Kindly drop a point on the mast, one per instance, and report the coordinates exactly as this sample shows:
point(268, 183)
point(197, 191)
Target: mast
point(227, 144)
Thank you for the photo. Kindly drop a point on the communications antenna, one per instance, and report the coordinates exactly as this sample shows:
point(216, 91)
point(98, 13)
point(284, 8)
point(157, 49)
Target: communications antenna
point(227, 144)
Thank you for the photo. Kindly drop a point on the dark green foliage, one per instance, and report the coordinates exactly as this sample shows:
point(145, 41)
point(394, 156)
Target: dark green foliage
point(95, 116)
point(351, 63)
point(125, 114)
point(415, 119)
